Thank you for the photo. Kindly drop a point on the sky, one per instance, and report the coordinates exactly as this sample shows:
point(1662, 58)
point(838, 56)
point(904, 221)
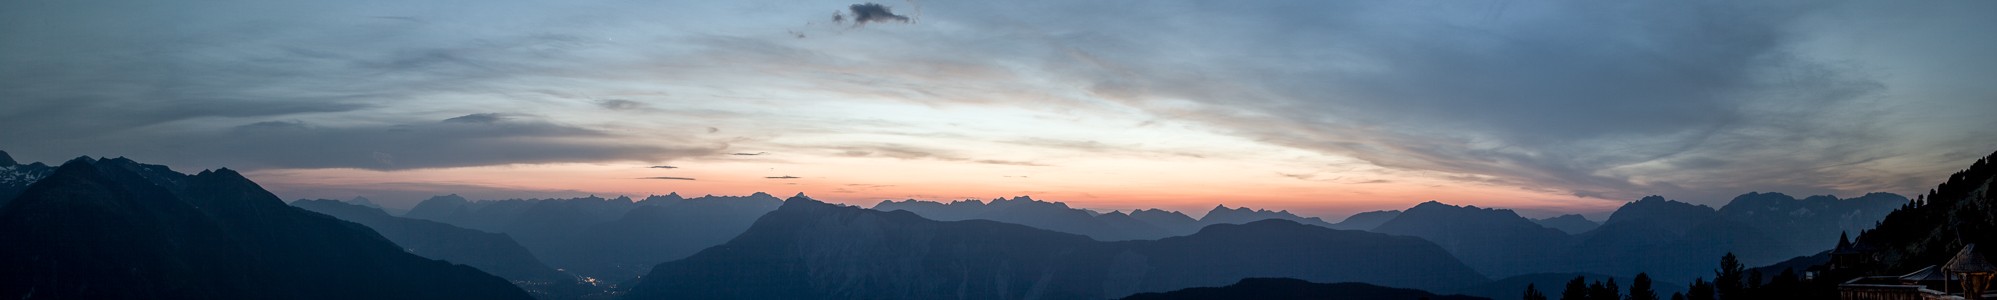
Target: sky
point(1324, 108)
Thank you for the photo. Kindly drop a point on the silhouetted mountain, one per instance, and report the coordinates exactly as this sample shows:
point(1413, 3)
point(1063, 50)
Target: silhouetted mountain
point(1495, 241)
point(15, 177)
point(1569, 223)
point(1812, 220)
point(1513, 288)
point(1171, 221)
point(1959, 212)
point(117, 229)
point(1367, 220)
point(491, 252)
point(1294, 289)
point(1054, 216)
point(1658, 213)
point(611, 240)
point(664, 228)
point(1678, 241)
point(1223, 215)
point(812, 250)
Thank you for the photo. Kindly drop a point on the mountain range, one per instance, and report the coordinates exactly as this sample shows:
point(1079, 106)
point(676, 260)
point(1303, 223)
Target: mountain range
point(118, 229)
point(493, 253)
point(15, 177)
point(808, 249)
point(1142, 224)
point(605, 239)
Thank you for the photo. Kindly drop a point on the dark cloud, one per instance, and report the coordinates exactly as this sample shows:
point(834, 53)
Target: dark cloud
point(749, 153)
point(870, 13)
point(474, 140)
point(666, 178)
point(484, 118)
point(911, 152)
point(1008, 162)
point(619, 104)
point(782, 177)
point(663, 167)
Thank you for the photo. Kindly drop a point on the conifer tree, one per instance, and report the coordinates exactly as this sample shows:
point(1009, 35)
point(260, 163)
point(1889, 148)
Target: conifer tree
point(1639, 288)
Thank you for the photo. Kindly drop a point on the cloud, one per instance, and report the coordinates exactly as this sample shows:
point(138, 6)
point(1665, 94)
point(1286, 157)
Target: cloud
point(1557, 96)
point(667, 178)
point(870, 13)
point(907, 152)
point(619, 104)
point(471, 140)
point(782, 177)
point(484, 118)
point(1008, 162)
point(749, 153)
point(663, 167)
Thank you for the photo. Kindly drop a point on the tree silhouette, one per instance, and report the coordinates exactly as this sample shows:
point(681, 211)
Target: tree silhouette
point(1700, 290)
point(1532, 293)
point(1577, 289)
point(1677, 296)
point(1727, 280)
point(1639, 288)
point(1599, 290)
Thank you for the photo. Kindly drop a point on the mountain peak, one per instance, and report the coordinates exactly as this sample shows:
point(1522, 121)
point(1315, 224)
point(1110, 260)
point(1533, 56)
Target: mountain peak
point(6, 160)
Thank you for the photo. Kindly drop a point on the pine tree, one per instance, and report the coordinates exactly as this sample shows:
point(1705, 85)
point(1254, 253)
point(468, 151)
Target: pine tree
point(1601, 291)
point(1727, 280)
point(1700, 290)
point(1532, 293)
point(1639, 288)
point(1611, 291)
point(1577, 289)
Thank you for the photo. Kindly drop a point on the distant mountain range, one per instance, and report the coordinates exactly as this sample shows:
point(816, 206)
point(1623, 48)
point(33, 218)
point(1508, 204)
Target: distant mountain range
point(612, 240)
point(1295, 289)
point(118, 229)
point(1143, 224)
point(813, 250)
point(1495, 241)
point(1675, 241)
point(490, 252)
point(1569, 223)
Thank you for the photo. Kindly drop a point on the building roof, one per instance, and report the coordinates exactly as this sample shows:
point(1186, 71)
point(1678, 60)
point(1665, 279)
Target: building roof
point(1930, 273)
point(1969, 261)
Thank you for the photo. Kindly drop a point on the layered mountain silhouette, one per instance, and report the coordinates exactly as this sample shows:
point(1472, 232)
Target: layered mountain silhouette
point(1367, 220)
point(491, 252)
point(1054, 216)
point(609, 239)
point(661, 229)
point(1239, 215)
point(1142, 224)
point(1569, 223)
point(117, 229)
point(1678, 241)
point(1295, 289)
point(812, 250)
point(1496, 241)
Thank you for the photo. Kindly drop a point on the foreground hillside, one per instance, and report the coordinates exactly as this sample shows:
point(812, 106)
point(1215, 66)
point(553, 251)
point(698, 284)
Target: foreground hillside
point(117, 229)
